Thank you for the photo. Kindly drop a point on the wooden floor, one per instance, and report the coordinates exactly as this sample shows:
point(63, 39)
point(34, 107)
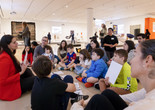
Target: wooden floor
point(23, 103)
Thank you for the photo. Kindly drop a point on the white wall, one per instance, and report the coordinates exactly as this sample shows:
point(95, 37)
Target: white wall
point(43, 27)
point(129, 21)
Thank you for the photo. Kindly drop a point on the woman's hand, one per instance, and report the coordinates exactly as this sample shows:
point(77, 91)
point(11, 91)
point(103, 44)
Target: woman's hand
point(23, 67)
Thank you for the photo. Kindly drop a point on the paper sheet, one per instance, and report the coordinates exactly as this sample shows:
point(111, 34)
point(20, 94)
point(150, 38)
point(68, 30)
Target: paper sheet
point(113, 71)
point(59, 73)
point(78, 89)
point(25, 58)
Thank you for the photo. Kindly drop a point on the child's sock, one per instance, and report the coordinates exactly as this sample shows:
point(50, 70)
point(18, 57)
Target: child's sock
point(61, 68)
point(71, 69)
point(89, 84)
point(84, 80)
point(79, 78)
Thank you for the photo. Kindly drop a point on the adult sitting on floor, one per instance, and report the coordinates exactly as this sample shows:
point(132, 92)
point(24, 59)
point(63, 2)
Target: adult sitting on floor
point(15, 78)
point(39, 50)
point(94, 44)
point(142, 68)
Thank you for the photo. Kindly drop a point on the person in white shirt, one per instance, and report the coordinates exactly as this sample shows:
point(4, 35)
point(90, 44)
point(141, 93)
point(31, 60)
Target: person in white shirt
point(85, 62)
point(142, 68)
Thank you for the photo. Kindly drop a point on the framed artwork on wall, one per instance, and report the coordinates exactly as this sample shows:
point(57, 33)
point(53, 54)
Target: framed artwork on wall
point(16, 28)
point(115, 29)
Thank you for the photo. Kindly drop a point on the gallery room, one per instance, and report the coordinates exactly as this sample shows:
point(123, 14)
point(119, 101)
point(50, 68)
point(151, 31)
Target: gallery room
point(59, 54)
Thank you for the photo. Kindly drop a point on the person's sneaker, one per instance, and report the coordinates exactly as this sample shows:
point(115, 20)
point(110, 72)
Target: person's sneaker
point(61, 68)
point(71, 69)
point(96, 85)
point(79, 97)
point(79, 78)
point(87, 85)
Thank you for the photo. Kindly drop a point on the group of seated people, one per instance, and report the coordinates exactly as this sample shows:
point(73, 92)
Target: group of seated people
point(53, 92)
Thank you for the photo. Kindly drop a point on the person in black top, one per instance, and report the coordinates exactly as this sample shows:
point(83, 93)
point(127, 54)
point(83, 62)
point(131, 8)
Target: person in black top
point(110, 42)
point(49, 37)
point(147, 34)
point(48, 93)
point(34, 44)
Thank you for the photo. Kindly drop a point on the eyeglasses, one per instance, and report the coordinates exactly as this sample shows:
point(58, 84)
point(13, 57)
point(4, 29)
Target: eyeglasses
point(45, 40)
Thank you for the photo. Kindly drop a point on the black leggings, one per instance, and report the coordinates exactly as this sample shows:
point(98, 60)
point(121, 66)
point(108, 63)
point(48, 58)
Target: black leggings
point(26, 80)
point(108, 100)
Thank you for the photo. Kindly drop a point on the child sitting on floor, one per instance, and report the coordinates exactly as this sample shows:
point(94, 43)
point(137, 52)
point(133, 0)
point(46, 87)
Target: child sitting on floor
point(50, 55)
point(124, 83)
point(49, 93)
point(27, 55)
point(97, 69)
point(85, 62)
point(71, 57)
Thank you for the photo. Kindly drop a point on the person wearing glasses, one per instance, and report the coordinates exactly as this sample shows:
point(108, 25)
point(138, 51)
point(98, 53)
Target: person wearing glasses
point(39, 50)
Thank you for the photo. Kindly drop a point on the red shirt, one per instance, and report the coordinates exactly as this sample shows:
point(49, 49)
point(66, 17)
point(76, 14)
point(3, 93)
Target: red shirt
point(10, 88)
point(29, 57)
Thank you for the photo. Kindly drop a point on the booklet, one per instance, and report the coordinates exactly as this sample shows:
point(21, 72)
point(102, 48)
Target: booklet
point(113, 71)
point(58, 72)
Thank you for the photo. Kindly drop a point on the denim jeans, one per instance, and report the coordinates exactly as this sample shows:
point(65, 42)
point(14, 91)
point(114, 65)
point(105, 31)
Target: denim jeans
point(78, 69)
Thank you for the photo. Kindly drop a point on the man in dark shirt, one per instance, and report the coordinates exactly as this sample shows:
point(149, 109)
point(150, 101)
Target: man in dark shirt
point(47, 93)
point(110, 42)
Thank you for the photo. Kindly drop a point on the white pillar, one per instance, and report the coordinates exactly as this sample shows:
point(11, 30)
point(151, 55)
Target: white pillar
point(90, 24)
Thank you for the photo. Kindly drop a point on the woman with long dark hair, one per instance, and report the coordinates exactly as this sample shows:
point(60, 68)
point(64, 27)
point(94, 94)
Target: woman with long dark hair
point(94, 44)
point(129, 46)
point(142, 68)
point(62, 50)
point(27, 55)
point(15, 78)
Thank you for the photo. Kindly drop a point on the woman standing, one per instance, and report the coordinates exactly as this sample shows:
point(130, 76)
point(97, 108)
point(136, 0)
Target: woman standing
point(26, 34)
point(15, 79)
point(103, 33)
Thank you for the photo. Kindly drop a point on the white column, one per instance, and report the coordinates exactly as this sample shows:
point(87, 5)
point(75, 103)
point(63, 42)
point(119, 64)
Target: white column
point(90, 24)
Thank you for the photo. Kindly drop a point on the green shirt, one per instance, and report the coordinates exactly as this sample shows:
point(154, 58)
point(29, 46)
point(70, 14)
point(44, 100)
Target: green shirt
point(124, 79)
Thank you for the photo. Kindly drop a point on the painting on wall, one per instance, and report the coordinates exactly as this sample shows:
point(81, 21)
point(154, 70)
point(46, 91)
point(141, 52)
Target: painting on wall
point(115, 29)
point(16, 28)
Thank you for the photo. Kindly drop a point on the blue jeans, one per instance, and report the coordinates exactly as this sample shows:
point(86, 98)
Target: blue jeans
point(57, 58)
point(65, 98)
point(79, 69)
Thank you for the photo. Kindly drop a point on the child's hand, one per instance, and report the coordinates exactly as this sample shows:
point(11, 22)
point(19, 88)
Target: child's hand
point(84, 74)
point(65, 60)
point(106, 80)
point(109, 62)
point(83, 65)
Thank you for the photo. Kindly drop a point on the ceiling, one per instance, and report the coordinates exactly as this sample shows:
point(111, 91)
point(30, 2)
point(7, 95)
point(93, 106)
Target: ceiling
point(74, 10)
